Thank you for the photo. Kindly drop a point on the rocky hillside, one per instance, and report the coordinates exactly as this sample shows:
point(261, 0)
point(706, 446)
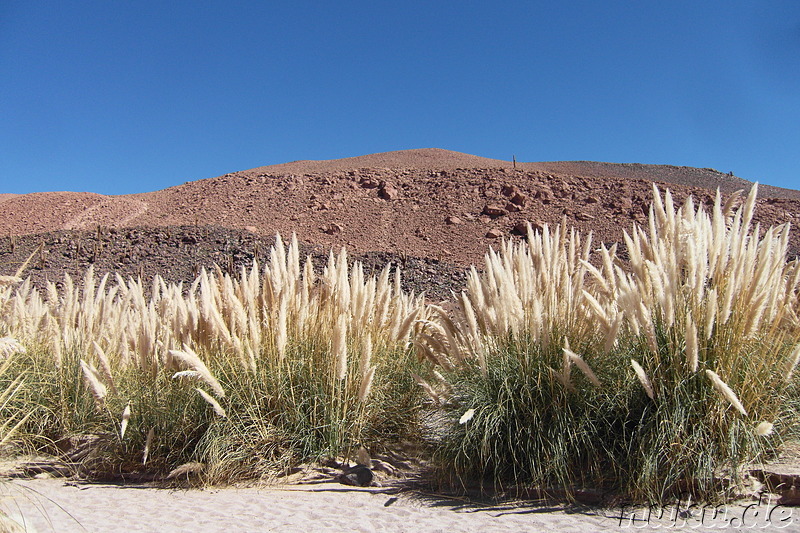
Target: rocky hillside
point(440, 206)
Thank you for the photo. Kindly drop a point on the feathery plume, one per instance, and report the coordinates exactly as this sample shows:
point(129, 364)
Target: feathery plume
point(726, 391)
point(126, 415)
point(580, 363)
point(366, 384)
point(562, 379)
point(105, 365)
point(189, 358)
point(794, 358)
point(212, 402)
point(339, 347)
point(427, 388)
point(190, 374)
point(9, 280)
point(186, 469)
point(9, 346)
point(147, 444)
point(643, 379)
point(96, 387)
point(467, 416)
point(764, 428)
point(366, 354)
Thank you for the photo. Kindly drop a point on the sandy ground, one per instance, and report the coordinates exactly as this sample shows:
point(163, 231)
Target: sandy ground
point(53, 505)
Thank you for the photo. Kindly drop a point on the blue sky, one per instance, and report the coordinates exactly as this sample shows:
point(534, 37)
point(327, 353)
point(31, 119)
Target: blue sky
point(123, 97)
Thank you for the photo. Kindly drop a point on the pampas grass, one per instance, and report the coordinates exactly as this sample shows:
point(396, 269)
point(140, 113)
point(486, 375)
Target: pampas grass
point(726, 391)
point(581, 364)
point(126, 416)
point(643, 379)
point(14, 413)
point(10, 346)
point(93, 383)
point(189, 358)
point(148, 443)
point(212, 402)
point(764, 429)
point(312, 357)
point(703, 294)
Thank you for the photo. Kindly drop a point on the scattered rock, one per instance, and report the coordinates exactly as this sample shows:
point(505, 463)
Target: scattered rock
point(251, 229)
point(593, 200)
point(357, 476)
point(494, 233)
point(512, 208)
point(519, 199)
point(521, 228)
point(508, 190)
point(332, 229)
point(544, 196)
point(368, 182)
point(583, 216)
point(451, 220)
point(387, 191)
point(494, 211)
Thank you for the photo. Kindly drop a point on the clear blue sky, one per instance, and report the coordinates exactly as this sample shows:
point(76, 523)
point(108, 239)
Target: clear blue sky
point(119, 97)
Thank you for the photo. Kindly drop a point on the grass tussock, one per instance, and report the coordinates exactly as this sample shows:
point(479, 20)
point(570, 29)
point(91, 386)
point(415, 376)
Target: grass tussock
point(245, 375)
point(684, 355)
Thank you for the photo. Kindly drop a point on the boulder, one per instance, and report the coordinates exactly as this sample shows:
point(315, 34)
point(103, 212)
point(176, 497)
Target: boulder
point(494, 210)
point(521, 228)
point(387, 191)
point(357, 476)
point(332, 229)
point(519, 199)
point(368, 182)
point(508, 190)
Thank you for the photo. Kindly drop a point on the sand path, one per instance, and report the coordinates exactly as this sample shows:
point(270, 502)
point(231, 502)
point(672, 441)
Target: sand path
point(111, 211)
point(53, 505)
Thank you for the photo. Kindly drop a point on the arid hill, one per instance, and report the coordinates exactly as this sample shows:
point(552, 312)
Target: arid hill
point(436, 205)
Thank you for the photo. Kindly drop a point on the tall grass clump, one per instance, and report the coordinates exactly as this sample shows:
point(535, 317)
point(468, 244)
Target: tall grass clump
point(663, 373)
point(237, 376)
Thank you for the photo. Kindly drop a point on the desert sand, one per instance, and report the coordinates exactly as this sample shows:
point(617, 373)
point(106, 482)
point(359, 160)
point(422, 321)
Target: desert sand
point(56, 505)
point(52, 505)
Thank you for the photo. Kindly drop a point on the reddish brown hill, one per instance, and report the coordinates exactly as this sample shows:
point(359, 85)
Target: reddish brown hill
point(422, 203)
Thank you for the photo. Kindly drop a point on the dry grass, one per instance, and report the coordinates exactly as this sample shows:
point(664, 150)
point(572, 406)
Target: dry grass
point(254, 342)
point(705, 311)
